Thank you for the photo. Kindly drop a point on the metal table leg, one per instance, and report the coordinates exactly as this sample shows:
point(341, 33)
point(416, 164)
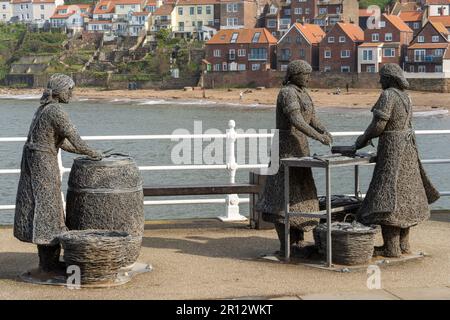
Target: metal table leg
point(328, 195)
point(287, 247)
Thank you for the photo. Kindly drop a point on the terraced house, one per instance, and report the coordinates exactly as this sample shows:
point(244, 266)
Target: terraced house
point(34, 10)
point(277, 14)
point(247, 50)
point(300, 42)
point(6, 11)
point(238, 14)
point(386, 43)
point(70, 16)
point(194, 18)
point(303, 11)
point(338, 50)
point(162, 17)
point(429, 50)
point(329, 12)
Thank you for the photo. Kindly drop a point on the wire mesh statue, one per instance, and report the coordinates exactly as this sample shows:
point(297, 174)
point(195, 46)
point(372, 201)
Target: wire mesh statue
point(400, 191)
point(39, 214)
point(296, 120)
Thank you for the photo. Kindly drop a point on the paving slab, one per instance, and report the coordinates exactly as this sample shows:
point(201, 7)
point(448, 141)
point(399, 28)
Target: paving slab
point(436, 293)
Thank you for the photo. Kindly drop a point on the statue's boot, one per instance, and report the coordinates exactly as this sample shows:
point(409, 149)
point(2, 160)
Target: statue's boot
point(404, 241)
point(391, 247)
point(49, 259)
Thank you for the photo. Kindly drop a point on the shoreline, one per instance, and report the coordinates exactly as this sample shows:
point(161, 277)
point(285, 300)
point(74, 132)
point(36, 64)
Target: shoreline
point(362, 99)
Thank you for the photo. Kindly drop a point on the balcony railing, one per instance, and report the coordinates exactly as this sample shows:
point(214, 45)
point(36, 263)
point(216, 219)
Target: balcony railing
point(425, 58)
point(285, 57)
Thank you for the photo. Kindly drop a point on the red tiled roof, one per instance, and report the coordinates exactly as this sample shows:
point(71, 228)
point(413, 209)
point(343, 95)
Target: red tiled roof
point(312, 32)
point(439, 27)
point(99, 22)
point(411, 16)
point(142, 13)
point(164, 10)
point(71, 9)
point(196, 2)
point(445, 20)
point(428, 46)
point(397, 22)
point(353, 31)
point(364, 13)
point(244, 36)
point(127, 1)
point(110, 5)
point(437, 2)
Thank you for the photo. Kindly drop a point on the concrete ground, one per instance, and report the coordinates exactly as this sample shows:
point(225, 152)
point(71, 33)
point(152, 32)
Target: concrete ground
point(208, 259)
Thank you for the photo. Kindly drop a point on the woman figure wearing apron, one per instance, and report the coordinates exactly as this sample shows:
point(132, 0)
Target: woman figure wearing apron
point(400, 191)
point(39, 215)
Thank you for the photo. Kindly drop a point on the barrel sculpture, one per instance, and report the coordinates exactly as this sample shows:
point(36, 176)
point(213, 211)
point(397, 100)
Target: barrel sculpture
point(107, 195)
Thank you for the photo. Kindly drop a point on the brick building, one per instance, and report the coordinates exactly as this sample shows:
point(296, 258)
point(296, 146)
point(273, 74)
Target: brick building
point(445, 20)
point(238, 14)
point(414, 20)
point(429, 50)
point(241, 50)
point(277, 17)
point(300, 42)
point(338, 49)
point(387, 43)
point(303, 11)
point(329, 12)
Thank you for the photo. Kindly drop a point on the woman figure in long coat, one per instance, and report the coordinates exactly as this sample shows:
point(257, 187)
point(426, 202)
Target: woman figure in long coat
point(296, 120)
point(39, 215)
point(400, 191)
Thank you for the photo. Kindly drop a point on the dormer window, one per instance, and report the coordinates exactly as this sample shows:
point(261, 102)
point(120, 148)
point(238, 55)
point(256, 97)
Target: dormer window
point(273, 10)
point(103, 7)
point(256, 36)
point(234, 37)
point(420, 39)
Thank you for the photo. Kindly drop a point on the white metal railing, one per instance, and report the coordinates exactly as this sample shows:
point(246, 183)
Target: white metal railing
point(232, 201)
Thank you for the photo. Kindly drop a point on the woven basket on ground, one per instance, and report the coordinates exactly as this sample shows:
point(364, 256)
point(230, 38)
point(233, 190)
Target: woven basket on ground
point(98, 253)
point(352, 243)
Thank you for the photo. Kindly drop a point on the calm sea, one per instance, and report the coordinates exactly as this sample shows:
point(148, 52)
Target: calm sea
point(127, 117)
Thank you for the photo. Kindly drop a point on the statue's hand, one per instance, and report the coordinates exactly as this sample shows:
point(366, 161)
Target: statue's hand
point(95, 155)
point(329, 136)
point(326, 139)
point(361, 142)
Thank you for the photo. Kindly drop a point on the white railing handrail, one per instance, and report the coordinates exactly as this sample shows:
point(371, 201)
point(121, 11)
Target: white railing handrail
point(231, 166)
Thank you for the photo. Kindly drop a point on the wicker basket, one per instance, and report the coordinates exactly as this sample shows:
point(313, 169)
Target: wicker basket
point(352, 243)
point(99, 253)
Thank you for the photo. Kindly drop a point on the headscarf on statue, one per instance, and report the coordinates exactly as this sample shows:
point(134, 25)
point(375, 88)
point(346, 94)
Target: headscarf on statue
point(58, 86)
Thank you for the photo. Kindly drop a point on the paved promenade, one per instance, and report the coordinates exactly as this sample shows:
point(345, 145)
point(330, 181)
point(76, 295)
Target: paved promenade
point(207, 259)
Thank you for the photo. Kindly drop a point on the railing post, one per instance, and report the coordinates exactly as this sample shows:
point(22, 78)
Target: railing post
point(232, 200)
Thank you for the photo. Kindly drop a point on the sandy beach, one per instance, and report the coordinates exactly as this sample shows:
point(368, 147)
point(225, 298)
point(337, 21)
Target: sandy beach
point(355, 98)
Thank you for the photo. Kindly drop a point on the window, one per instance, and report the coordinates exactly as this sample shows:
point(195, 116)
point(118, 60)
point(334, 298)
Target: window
point(341, 39)
point(216, 67)
point(256, 66)
point(322, 10)
point(285, 54)
point(382, 24)
point(224, 66)
point(416, 25)
point(199, 10)
point(42, 17)
point(4, 7)
point(273, 10)
point(420, 39)
point(271, 23)
point(367, 55)
point(288, 39)
point(338, 10)
point(180, 11)
point(302, 53)
point(438, 52)
point(298, 11)
point(232, 7)
point(287, 12)
point(411, 68)
point(256, 36)
point(370, 69)
point(208, 9)
point(437, 68)
point(388, 37)
point(421, 69)
point(345, 53)
point(42, 7)
point(298, 39)
point(330, 39)
point(345, 69)
point(241, 52)
point(307, 12)
point(191, 10)
point(435, 39)
point(419, 55)
point(388, 52)
point(234, 37)
point(21, 6)
point(232, 22)
point(327, 54)
point(258, 54)
point(326, 69)
point(216, 53)
point(283, 67)
point(180, 26)
point(232, 54)
point(241, 67)
point(375, 37)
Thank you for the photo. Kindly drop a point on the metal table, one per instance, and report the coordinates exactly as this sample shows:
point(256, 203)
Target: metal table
point(326, 162)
